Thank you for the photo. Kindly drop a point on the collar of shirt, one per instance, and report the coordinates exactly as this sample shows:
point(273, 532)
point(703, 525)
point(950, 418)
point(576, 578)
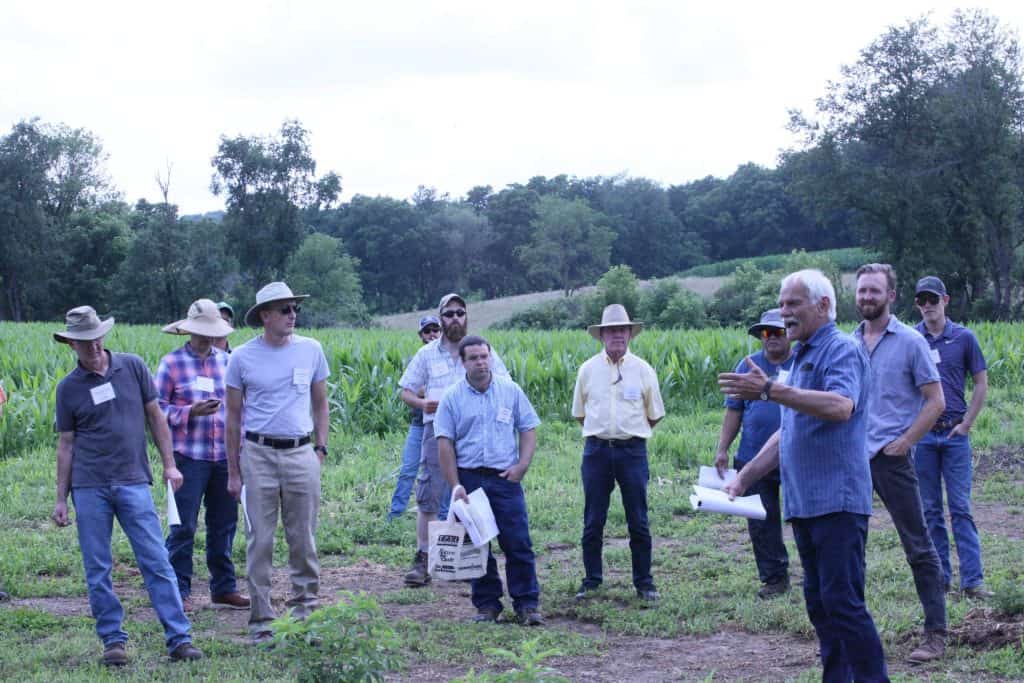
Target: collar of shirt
point(947, 330)
point(113, 365)
point(819, 334)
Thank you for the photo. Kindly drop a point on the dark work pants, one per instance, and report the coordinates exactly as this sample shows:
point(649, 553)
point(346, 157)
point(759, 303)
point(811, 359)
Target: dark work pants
point(766, 535)
point(895, 482)
point(831, 550)
point(603, 466)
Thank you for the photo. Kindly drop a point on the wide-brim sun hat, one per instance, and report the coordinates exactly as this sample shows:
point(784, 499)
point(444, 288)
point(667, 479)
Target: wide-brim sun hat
point(615, 315)
point(275, 291)
point(203, 319)
point(771, 318)
point(82, 324)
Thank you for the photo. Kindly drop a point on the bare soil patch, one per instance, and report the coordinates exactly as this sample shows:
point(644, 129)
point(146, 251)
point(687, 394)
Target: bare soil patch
point(984, 628)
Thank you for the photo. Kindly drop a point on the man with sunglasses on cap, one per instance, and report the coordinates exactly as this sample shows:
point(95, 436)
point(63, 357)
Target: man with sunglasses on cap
point(190, 381)
point(759, 420)
point(434, 368)
point(430, 329)
point(277, 388)
point(944, 452)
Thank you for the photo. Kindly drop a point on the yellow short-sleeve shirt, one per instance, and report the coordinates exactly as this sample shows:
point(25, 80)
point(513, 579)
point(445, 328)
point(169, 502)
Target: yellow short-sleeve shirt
point(617, 409)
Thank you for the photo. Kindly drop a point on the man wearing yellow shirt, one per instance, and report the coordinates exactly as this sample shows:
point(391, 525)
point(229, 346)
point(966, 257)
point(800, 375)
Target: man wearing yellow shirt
point(618, 402)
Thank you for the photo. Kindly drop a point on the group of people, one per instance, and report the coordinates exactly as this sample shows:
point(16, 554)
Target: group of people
point(827, 421)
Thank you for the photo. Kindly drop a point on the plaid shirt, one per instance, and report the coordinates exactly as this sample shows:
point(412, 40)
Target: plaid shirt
point(198, 438)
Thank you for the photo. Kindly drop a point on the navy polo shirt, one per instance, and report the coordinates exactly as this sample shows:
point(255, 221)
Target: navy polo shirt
point(958, 354)
point(761, 419)
point(110, 432)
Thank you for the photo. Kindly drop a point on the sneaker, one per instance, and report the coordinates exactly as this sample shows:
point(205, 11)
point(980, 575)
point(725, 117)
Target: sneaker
point(585, 592)
point(262, 638)
point(486, 615)
point(978, 592)
point(230, 601)
point(769, 591)
point(931, 648)
point(115, 655)
point(418, 574)
point(530, 617)
point(649, 596)
point(185, 652)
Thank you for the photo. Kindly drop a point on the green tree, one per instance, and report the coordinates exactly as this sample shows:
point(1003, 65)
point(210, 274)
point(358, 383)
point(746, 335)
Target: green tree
point(320, 267)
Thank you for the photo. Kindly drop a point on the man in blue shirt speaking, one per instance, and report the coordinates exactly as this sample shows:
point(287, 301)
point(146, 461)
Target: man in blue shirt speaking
point(476, 425)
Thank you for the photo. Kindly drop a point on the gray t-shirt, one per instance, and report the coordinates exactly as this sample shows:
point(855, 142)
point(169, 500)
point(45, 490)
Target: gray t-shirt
point(107, 415)
point(275, 382)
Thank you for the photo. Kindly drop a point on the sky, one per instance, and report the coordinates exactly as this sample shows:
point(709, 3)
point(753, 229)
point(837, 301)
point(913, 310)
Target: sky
point(450, 94)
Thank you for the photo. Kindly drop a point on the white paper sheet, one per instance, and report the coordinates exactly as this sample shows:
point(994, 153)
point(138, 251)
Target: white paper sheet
point(709, 479)
point(245, 511)
point(434, 394)
point(477, 517)
point(172, 507)
point(710, 500)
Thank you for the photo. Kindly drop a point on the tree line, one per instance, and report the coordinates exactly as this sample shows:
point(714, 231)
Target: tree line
point(914, 153)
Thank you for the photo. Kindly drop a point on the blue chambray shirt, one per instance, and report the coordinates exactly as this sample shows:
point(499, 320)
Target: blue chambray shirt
point(900, 365)
point(483, 425)
point(824, 465)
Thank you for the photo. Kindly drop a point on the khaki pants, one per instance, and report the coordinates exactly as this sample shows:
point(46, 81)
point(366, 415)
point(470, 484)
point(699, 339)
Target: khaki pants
point(289, 479)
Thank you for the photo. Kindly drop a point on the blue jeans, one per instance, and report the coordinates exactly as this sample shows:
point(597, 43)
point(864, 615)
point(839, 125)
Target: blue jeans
point(407, 472)
point(205, 481)
point(95, 510)
point(938, 458)
point(509, 506)
point(603, 466)
point(766, 535)
point(831, 549)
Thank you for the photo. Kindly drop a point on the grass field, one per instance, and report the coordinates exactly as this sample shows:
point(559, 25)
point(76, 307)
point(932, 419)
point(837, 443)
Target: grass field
point(708, 626)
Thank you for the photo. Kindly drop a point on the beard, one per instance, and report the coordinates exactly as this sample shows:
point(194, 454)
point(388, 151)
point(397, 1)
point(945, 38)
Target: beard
point(455, 331)
point(870, 311)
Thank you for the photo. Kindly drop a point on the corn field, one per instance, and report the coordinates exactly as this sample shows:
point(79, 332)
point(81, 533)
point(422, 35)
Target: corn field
point(366, 365)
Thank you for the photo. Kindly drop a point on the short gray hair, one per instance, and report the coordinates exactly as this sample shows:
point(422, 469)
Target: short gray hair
point(818, 286)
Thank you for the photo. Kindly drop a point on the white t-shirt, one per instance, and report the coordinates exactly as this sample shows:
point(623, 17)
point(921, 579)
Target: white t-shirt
point(275, 382)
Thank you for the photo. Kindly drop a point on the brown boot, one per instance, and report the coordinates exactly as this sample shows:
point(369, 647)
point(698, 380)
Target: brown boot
point(931, 648)
point(418, 574)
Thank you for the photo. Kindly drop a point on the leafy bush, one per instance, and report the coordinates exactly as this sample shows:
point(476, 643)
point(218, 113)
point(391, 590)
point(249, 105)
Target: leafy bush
point(527, 664)
point(846, 259)
point(668, 305)
point(347, 641)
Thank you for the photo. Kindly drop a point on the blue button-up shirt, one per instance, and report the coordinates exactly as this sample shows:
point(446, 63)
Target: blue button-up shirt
point(760, 418)
point(958, 353)
point(483, 425)
point(900, 365)
point(824, 464)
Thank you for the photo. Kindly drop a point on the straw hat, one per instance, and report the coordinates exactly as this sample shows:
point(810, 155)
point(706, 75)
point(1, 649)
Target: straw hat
point(203, 319)
point(83, 325)
point(615, 315)
point(275, 291)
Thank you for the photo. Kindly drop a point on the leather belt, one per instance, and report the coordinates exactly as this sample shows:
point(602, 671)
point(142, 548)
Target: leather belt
point(277, 443)
point(618, 443)
point(946, 425)
point(483, 471)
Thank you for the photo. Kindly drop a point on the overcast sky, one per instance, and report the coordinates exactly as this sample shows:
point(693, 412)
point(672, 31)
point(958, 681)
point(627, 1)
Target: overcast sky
point(450, 94)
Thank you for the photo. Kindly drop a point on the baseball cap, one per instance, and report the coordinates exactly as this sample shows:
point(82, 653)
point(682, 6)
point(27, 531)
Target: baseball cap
point(931, 284)
point(429, 320)
point(446, 299)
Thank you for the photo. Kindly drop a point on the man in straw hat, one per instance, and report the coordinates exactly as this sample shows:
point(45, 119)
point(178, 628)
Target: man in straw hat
point(618, 402)
point(190, 381)
point(277, 386)
point(103, 406)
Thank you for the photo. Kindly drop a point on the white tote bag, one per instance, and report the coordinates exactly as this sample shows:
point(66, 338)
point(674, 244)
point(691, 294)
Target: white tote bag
point(452, 555)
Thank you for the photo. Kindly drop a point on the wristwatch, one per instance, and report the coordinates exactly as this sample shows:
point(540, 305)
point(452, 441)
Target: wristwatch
point(320, 449)
point(765, 390)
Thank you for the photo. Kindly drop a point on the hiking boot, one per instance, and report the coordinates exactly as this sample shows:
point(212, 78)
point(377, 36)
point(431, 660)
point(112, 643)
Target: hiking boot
point(486, 615)
point(185, 652)
point(978, 592)
point(230, 601)
point(530, 617)
point(418, 574)
point(115, 655)
point(931, 648)
point(648, 596)
point(585, 592)
point(263, 638)
point(769, 591)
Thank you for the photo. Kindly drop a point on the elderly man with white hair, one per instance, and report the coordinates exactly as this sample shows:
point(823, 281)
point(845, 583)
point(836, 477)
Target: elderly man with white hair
point(821, 452)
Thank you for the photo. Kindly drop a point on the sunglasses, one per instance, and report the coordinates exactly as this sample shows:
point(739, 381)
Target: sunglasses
point(458, 313)
point(430, 330)
point(285, 310)
point(769, 332)
point(927, 298)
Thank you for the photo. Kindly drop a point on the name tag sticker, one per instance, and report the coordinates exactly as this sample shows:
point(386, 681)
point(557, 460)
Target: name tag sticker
point(204, 384)
point(300, 376)
point(935, 356)
point(438, 369)
point(102, 393)
point(504, 415)
point(631, 393)
point(783, 376)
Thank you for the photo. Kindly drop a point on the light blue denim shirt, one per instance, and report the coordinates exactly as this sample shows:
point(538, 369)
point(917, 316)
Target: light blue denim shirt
point(824, 464)
point(484, 425)
point(901, 364)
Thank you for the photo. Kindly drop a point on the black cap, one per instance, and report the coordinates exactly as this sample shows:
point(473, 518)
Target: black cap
point(931, 284)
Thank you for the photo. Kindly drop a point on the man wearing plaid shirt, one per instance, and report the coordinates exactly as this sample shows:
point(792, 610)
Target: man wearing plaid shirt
point(190, 381)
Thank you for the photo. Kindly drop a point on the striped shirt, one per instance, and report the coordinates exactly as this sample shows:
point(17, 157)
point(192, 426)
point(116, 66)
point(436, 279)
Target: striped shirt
point(183, 378)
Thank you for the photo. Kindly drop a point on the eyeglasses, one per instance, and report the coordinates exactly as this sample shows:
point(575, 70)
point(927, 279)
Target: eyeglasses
point(769, 332)
point(457, 313)
point(927, 298)
point(285, 310)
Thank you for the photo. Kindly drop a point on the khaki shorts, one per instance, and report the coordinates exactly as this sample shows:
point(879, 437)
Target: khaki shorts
point(431, 486)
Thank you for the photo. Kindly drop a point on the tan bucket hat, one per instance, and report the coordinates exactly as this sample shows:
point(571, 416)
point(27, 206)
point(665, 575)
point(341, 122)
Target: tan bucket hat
point(83, 325)
point(615, 315)
point(275, 291)
point(203, 319)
